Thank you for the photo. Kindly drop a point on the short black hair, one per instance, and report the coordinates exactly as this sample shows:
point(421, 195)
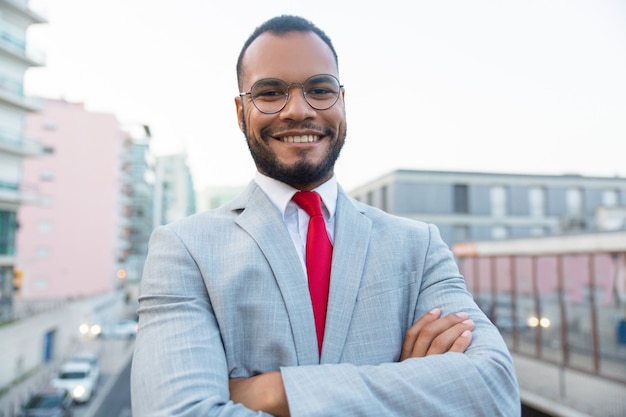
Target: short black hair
point(281, 25)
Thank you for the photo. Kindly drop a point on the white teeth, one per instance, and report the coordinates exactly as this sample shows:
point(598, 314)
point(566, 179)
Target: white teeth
point(300, 139)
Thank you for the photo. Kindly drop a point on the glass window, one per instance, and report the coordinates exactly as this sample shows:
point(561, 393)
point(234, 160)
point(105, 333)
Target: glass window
point(8, 225)
point(44, 226)
point(461, 201)
point(574, 201)
point(46, 175)
point(40, 283)
point(610, 198)
point(537, 201)
point(498, 201)
point(383, 198)
point(499, 232)
point(538, 231)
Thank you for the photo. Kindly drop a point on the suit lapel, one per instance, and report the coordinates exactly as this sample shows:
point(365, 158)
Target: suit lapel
point(352, 238)
point(262, 221)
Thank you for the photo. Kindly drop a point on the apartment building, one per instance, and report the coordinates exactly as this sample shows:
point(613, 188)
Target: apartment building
point(469, 206)
point(175, 197)
point(15, 58)
point(138, 200)
point(68, 241)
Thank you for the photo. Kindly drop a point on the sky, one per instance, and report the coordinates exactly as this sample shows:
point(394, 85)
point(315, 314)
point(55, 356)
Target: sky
point(532, 87)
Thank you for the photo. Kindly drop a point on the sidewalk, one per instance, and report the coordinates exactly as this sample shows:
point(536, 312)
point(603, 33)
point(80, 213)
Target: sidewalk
point(567, 393)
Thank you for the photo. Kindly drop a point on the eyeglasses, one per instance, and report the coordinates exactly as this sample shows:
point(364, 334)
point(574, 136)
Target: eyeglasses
point(270, 95)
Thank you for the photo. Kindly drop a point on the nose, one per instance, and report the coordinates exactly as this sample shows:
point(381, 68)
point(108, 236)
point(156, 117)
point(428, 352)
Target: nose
point(296, 107)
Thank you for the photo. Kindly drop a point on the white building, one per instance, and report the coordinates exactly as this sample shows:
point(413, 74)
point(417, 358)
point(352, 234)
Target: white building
point(174, 193)
point(15, 59)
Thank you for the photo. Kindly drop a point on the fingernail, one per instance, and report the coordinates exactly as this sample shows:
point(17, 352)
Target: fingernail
point(466, 333)
point(435, 311)
point(462, 315)
point(469, 321)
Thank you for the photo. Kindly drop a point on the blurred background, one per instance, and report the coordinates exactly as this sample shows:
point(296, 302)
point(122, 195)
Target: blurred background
point(501, 122)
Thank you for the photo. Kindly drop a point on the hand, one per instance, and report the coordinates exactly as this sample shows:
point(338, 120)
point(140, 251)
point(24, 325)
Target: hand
point(264, 392)
point(432, 335)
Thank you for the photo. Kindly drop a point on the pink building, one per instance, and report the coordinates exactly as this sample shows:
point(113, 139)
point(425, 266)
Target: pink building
point(68, 242)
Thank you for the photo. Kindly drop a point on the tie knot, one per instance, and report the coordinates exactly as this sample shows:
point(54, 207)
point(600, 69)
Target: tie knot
point(309, 201)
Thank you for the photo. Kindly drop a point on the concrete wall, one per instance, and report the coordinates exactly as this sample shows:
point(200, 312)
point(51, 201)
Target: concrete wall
point(31, 342)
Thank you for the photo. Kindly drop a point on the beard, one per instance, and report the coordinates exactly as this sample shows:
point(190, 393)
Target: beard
point(302, 173)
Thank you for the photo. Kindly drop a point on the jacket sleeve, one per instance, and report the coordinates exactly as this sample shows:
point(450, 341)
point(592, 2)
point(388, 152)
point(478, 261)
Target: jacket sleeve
point(179, 365)
point(479, 382)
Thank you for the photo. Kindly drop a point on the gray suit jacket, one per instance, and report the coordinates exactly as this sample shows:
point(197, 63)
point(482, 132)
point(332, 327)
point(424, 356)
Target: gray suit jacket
point(224, 295)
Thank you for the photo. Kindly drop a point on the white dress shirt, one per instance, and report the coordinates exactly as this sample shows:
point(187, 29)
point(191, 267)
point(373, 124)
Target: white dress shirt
point(296, 219)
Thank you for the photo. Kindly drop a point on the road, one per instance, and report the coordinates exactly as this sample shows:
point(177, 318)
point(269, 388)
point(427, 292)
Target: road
point(117, 401)
point(112, 398)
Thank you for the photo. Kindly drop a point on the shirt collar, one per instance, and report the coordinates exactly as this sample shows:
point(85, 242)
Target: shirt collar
point(280, 194)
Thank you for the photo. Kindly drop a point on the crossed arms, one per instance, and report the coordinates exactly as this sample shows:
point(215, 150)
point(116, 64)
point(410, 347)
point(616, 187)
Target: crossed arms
point(430, 335)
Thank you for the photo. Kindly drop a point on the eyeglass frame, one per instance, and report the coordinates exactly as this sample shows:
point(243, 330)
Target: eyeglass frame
point(304, 94)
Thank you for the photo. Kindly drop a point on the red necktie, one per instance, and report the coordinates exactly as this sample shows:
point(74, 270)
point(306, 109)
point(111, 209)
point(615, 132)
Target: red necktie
point(319, 253)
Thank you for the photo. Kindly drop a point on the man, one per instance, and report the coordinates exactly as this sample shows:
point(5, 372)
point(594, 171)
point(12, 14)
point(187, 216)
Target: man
point(229, 325)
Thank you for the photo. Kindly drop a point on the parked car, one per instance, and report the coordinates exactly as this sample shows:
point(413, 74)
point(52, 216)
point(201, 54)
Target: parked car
point(90, 358)
point(121, 328)
point(50, 402)
point(78, 378)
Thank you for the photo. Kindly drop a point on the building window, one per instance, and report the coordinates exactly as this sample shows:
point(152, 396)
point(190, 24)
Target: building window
point(537, 202)
point(498, 201)
point(610, 198)
point(574, 202)
point(46, 175)
point(383, 198)
point(40, 283)
point(461, 201)
point(538, 231)
point(49, 125)
point(44, 226)
point(499, 232)
point(8, 226)
point(42, 252)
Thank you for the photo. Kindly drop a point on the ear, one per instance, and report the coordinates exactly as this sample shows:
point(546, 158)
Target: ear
point(240, 115)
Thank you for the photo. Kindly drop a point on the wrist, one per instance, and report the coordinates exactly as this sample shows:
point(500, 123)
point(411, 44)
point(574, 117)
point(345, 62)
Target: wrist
point(275, 397)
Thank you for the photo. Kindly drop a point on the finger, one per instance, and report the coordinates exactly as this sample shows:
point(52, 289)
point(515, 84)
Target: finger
point(413, 332)
point(462, 342)
point(445, 340)
point(434, 332)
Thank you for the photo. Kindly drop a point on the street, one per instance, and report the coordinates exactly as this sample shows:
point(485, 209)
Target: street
point(112, 399)
point(117, 401)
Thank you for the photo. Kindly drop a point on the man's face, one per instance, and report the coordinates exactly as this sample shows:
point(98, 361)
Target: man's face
point(293, 57)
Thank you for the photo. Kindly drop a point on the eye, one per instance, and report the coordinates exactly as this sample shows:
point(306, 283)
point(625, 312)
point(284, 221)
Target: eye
point(269, 90)
point(268, 93)
point(322, 87)
point(320, 91)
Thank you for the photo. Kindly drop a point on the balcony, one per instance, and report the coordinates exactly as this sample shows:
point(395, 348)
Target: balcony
point(15, 47)
point(12, 93)
point(16, 145)
point(21, 7)
point(14, 194)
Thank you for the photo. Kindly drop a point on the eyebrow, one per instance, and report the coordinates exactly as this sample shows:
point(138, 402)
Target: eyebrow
point(268, 82)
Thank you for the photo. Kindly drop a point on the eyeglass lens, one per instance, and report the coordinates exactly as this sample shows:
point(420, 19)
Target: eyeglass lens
point(271, 95)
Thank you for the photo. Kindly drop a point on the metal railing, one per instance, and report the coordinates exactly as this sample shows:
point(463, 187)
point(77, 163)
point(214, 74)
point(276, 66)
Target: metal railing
point(567, 309)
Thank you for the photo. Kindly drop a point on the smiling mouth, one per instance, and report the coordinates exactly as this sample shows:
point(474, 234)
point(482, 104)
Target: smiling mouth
point(300, 139)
